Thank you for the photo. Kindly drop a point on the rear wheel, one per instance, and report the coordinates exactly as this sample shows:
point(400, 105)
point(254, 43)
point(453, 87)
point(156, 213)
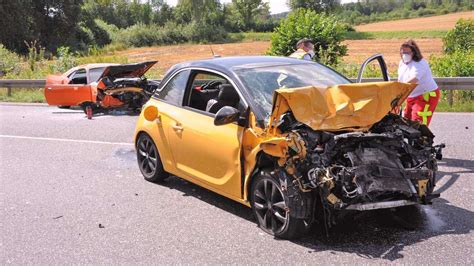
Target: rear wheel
point(149, 160)
point(270, 206)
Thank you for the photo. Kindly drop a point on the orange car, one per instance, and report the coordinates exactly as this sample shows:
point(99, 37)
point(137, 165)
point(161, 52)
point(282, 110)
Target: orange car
point(101, 87)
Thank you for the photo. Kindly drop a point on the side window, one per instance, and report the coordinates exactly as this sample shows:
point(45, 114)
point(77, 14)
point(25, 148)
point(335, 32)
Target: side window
point(210, 92)
point(173, 92)
point(78, 77)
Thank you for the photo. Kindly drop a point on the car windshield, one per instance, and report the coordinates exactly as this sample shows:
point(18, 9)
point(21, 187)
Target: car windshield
point(261, 82)
point(95, 73)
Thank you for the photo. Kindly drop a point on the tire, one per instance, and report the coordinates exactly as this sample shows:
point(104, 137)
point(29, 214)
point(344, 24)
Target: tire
point(149, 160)
point(270, 205)
point(64, 107)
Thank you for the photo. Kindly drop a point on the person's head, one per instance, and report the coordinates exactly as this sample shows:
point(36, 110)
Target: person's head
point(410, 51)
point(305, 44)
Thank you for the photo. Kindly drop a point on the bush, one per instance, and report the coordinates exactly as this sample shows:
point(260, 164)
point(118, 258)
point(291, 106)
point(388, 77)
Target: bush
point(9, 61)
point(325, 31)
point(65, 60)
point(461, 37)
point(204, 33)
point(457, 64)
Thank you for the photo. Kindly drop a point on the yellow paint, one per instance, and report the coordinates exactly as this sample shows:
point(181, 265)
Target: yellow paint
point(193, 148)
point(422, 187)
point(344, 107)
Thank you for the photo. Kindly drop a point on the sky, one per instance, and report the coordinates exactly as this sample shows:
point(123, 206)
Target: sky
point(276, 6)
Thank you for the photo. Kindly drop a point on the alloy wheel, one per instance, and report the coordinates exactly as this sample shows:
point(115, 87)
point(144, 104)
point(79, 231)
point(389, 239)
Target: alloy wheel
point(147, 156)
point(270, 206)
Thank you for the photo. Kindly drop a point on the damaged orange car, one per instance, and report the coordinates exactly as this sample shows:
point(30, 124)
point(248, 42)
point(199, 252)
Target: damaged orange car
point(294, 140)
point(101, 87)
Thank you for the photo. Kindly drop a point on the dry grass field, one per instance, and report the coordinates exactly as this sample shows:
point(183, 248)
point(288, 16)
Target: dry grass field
point(358, 50)
point(444, 22)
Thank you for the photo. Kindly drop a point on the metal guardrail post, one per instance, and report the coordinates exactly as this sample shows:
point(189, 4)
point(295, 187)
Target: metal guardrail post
point(9, 91)
point(450, 98)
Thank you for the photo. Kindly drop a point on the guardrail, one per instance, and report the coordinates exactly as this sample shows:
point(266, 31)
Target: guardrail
point(452, 83)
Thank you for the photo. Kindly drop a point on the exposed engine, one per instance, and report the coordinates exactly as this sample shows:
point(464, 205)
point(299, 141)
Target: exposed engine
point(391, 165)
point(129, 93)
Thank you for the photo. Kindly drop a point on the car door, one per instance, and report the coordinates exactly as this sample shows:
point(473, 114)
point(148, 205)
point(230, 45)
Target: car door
point(382, 64)
point(69, 91)
point(207, 153)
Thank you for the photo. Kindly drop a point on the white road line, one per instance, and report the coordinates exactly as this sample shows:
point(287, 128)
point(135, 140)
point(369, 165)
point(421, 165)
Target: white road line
point(67, 140)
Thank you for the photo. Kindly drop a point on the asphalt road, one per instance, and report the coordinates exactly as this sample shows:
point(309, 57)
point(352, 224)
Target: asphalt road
point(71, 193)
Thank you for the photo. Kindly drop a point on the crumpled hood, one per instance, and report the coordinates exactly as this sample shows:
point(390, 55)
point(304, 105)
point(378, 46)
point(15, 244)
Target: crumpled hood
point(342, 107)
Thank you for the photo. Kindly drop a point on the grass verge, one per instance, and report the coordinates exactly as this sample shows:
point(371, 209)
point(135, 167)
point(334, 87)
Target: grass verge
point(23, 95)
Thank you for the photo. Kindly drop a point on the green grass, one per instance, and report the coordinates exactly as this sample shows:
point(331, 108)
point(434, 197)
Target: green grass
point(351, 35)
point(23, 95)
point(465, 106)
point(355, 35)
point(250, 36)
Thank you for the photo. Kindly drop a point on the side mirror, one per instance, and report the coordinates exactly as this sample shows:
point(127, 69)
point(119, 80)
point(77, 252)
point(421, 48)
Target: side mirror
point(150, 113)
point(226, 115)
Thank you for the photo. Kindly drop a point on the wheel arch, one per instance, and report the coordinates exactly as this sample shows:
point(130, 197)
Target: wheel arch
point(263, 161)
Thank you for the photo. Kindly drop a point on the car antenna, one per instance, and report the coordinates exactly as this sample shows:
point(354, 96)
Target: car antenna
point(212, 51)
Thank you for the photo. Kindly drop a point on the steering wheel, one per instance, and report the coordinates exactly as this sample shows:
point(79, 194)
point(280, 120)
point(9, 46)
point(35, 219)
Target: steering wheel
point(211, 85)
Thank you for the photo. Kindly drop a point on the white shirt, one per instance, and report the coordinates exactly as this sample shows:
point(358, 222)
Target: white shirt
point(419, 70)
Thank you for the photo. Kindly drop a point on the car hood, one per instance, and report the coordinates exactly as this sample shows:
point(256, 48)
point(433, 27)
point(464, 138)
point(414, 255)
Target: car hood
point(352, 107)
point(127, 70)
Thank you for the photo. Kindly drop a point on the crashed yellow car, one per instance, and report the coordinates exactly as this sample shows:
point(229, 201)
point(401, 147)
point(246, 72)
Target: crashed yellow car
point(292, 139)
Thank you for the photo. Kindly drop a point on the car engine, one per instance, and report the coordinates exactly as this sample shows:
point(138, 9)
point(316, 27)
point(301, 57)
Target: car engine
point(393, 164)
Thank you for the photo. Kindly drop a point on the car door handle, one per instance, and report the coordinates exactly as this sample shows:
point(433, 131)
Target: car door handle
point(177, 127)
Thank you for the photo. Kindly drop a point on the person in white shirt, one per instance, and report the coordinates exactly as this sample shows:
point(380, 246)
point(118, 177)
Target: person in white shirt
point(412, 68)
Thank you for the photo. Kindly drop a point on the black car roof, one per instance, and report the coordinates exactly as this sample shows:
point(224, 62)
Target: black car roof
point(227, 64)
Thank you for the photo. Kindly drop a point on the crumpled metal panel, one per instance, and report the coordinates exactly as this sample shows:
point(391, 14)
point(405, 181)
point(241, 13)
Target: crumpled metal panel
point(344, 107)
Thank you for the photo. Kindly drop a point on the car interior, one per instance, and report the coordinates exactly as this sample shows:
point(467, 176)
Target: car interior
point(78, 77)
point(210, 92)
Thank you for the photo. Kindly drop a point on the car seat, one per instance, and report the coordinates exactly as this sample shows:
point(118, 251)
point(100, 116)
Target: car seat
point(228, 96)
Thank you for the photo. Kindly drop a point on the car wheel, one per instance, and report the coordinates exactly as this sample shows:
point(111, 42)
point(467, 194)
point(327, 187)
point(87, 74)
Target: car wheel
point(149, 160)
point(64, 107)
point(270, 206)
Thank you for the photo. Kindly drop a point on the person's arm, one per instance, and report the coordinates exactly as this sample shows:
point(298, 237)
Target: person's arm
point(413, 80)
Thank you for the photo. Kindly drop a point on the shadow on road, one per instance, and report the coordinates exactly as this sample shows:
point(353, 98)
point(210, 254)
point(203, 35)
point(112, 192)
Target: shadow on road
point(451, 176)
point(381, 234)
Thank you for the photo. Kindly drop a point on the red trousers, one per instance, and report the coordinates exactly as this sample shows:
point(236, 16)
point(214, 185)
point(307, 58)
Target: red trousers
point(421, 108)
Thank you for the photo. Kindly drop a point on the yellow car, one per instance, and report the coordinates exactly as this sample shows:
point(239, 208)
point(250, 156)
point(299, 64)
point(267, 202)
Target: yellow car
point(292, 139)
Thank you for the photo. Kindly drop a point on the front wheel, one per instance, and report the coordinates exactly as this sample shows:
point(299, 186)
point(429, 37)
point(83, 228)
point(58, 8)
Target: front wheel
point(270, 204)
point(149, 160)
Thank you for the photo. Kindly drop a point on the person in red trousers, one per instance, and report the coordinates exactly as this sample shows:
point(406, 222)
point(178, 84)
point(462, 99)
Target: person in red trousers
point(422, 102)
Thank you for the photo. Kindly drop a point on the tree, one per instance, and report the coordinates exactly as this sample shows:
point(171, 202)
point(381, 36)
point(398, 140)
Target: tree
point(52, 23)
point(249, 10)
point(316, 5)
point(326, 32)
point(15, 15)
point(461, 38)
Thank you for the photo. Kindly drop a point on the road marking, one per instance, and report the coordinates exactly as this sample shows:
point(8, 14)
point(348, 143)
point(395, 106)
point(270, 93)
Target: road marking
point(67, 140)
